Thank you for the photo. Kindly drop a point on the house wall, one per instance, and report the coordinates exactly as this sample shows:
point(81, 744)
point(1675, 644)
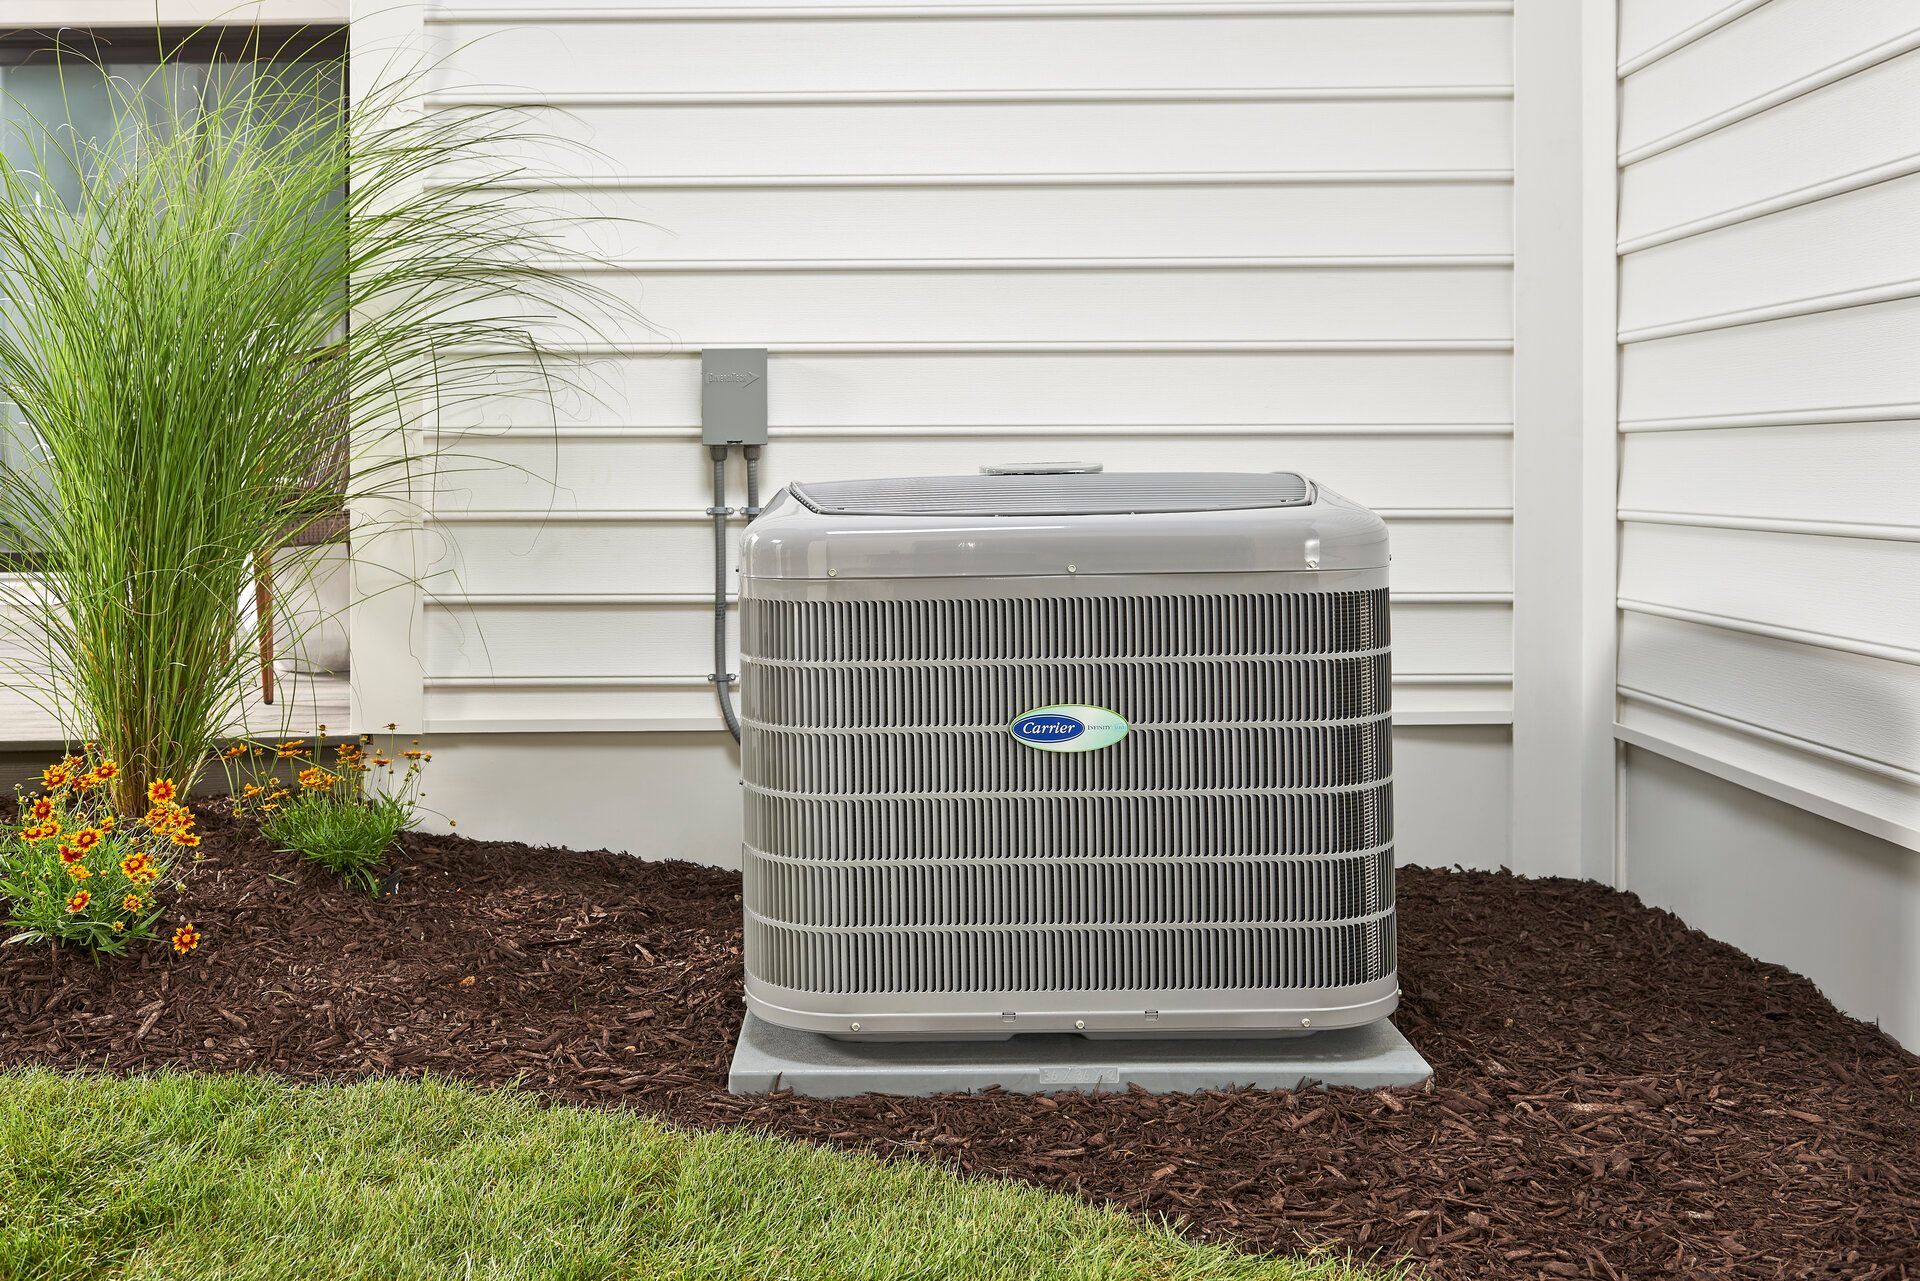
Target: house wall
point(1258, 236)
point(1769, 404)
point(150, 13)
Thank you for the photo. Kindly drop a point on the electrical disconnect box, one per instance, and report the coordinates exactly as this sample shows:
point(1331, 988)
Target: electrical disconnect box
point(733, 396)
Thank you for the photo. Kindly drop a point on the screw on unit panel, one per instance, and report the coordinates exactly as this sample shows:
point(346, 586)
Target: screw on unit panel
point(1306, 1022)
point(1073, 569)
point(1081, 1024)
point(853, 1027)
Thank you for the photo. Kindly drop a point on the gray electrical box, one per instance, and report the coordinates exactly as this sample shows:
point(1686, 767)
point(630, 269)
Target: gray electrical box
point(733, 396)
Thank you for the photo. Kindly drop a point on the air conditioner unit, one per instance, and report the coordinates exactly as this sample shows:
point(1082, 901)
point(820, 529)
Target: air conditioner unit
point(1087, 752)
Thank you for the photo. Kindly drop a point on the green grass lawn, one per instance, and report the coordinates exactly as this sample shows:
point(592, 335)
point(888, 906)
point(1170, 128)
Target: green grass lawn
point(186, 1176)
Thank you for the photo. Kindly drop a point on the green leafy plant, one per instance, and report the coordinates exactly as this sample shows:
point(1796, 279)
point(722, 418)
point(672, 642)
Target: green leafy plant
point(346, 815)
point(72, 872)
point(187, 338)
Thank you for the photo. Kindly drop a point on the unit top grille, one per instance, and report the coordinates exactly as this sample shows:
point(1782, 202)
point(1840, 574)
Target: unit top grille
point(1072, 494)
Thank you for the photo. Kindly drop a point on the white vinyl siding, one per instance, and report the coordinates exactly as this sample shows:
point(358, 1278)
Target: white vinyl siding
point(1770, 400)
point(1175, 236)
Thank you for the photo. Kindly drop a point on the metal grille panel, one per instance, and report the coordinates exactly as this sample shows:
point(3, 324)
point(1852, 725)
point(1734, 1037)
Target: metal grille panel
point(1222, 824)
point(1070, 892)
point(1139, 959)
point(1158, 692)
point(1158, 627)
point(901, 841)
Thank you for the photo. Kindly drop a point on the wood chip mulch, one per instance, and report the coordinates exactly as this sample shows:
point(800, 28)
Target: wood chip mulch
point(1616, 1096)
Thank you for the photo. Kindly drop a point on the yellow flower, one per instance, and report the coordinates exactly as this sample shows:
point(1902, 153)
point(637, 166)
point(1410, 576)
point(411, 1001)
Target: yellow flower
point(139, 868)
point(69, 855)
point(86, 838)
point(186, 838)
point(161, 790)
point(41, 831)
point(78, 871)
point(251, 789)
point(118, 926)
point(105, 770)
point(41, 809)
point(78, 903)
point(55, 777)
point(132, 903)
point(315, 779)
point(238, 749)
point(186, 938)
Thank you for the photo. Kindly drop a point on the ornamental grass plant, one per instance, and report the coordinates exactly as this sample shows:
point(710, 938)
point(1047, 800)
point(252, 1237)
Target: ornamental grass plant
point(193, 312)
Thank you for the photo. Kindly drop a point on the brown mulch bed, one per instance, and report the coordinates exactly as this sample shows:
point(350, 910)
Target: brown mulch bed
point(1615, 1096)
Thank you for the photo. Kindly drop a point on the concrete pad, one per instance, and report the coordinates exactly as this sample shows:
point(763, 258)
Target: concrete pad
point(776, 1058)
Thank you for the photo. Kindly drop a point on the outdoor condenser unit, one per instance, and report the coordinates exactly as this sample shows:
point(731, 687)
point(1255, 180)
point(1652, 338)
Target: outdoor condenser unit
point(1063, 750)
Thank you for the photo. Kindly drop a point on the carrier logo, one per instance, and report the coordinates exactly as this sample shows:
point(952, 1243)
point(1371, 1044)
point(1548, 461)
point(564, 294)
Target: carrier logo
point(1069, 727)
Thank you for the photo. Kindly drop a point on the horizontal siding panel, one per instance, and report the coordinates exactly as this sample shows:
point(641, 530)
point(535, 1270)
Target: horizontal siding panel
point(1887, 805)
point(1645, 24)
point(934, 390)
point(1175, 50)
point(1861, 122)
point(489, 701)
point(1014, 221)
point(1858, 472)
point(584, 556)
point(616, 640)
point(1869, 707)
point(1239, 304)
point(1775, 45)
point(571, 640)
point(603, 558)
point(535, 472)
point(1860, 589)
point(1039, 138)
point(1859, 356)
point(1854, 241)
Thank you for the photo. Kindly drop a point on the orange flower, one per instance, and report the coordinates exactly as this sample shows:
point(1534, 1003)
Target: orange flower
point(41, 831)
point(78, 903)
point(132, 903)
point(161, 790)
point(78, 871)
point(70, 855)
point(119, 926)
point(186, 938)
point(87, 782)
point(106, 823)
point(41, 809)
point(55, 777)
point(139, 868)
point(86, 838)
point(382, 760)
point(186, 838)
point(315, 779)
point(413, 754)
point(105, 770)
point(238, 749)
point(165, 818)
point(289, 751)
point(251, 789)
